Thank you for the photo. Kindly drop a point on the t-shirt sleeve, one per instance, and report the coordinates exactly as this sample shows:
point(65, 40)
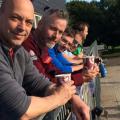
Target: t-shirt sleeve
point(58, 64)
point(77, 51)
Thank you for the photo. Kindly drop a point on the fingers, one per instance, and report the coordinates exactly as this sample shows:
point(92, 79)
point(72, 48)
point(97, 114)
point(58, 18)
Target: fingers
point(65, 91)
point(71, 82)
point(91, 72)
point(89, 75)
point(96, 68)
point(70, 86)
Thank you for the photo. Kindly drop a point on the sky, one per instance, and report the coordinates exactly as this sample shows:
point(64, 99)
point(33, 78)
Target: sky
point(84, 0)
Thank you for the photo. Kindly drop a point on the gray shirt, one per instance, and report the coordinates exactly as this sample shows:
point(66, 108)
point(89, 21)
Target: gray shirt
point(19, 79)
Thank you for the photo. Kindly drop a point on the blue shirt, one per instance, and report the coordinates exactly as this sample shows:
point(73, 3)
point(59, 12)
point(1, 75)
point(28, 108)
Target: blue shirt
point(59, 61)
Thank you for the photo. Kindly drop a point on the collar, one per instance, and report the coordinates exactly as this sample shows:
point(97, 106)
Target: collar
point(6, 48)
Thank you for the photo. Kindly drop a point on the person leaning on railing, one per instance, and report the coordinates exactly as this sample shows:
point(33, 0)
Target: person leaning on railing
point(81, 31)
point(57, 54)
point(24, 92)
point(47, 34)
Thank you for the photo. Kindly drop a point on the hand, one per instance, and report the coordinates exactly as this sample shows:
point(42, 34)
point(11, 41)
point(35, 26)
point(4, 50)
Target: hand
point(81, 110)
point(65, 92)
point(81, 55)
point(89, 74)
point(96, 68)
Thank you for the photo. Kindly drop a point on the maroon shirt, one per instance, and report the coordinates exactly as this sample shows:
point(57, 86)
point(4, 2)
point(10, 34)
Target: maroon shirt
point(41, 61)
point(35, 53)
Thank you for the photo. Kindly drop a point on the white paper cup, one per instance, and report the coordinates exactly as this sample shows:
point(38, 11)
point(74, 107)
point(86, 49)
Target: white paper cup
point(61, 78)
point(89, 62)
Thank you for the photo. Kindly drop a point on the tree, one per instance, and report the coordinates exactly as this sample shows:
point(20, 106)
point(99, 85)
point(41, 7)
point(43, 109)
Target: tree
point(103, 18)
point(89, 12)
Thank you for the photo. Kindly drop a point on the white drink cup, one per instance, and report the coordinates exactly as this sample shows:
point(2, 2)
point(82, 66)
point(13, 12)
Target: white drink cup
point(89, 61)
point(61, 78)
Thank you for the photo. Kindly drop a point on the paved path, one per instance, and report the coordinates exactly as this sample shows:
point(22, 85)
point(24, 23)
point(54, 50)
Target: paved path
point(110, 94)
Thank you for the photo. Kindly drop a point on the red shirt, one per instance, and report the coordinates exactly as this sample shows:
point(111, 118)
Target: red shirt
point(35, 53)
point(41, 61)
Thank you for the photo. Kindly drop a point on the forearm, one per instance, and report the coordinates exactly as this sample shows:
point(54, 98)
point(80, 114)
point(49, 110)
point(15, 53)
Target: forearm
point(77, 100)
point(76, 61)
point(77, 67)
point(40, 106)
point(58, 97)
point(81, 55)
point(72, 59)
point(67, 56)
point(80, 108)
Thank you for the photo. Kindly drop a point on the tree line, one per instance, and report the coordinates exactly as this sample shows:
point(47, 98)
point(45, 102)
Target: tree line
point(103, 18)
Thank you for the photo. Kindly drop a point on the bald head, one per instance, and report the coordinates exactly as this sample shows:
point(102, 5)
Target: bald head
point(8, 4)
point(16, 18)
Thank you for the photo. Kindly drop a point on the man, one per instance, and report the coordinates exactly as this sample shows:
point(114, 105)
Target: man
point(47, 34)
point(81, 32)
point(21, 85)
point(63, 49)
point(68, 45)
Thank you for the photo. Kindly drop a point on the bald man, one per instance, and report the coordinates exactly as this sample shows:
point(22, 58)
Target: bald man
point(23, 89)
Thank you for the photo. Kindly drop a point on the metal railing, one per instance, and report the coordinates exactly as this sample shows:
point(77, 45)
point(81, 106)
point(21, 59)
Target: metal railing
point(91, 90)
point(61, 113)
point(96, 82)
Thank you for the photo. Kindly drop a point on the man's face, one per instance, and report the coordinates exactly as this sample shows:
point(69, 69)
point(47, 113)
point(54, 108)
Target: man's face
point(53, 30)
point(78, 38)
point(81, 36)
point(84, 33)
point(17, 20)
point(66, 43)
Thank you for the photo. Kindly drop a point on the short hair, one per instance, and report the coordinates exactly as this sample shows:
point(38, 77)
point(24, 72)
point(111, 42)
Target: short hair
point(46, 8)
point(60, 13)
point(69, 32)
point(80, 26)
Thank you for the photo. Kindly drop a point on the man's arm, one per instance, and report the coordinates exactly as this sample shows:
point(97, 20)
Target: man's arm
point(89, 74)
point(77, 67)
point(80, 108)
point(57, 62)
point(73, 60)
point(42, 105)
point(36, 84)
